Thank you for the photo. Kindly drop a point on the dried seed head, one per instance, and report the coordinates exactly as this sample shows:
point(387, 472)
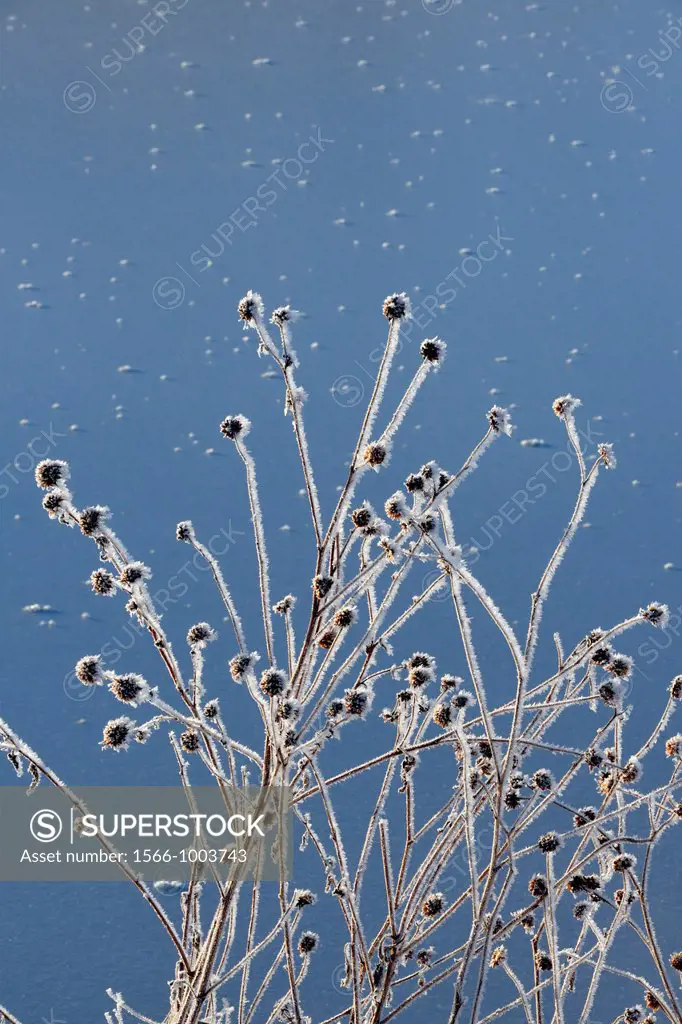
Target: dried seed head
point(211, 709)
point(234, 427)
point(200, 635)
point(284, 605)
point(375, 454)
point(583, 883)
point(421, 660)
point(550, 842)
point(283, 315)
point(54, 502)
point(51, 473)
point(676, 961)
point(620, 666)
point(240, 664)
point(463, 699)
point(512, 800)
point(307, 943)
point(91, 520)
point(189, 741)
point(442, 715)
point(607, 456)
point(433, 905)
point(251, 308)
point(362, 516)
point(581, 910)
point(655, 613)
point(537, 887)
point(334, 709)
point(303, 898)
point(141, 734)
point(619, 896)
point(103, 583)
point(414, 483)
point(134, 572)
point(624, 862)
point(432, 350)
point(498, 956)
point(130, 688)
point(500, 421)
point(543, 780)
point(676, 688)
point(419, 677)
point(345, 617)
point(565, 405)
point(356, 702)
point(184, 531)
point(583, 816)
point(673, 746)
point(397, 306)
point(528, 922)
point(424, 957)
point(273, 682)
point(633, 1015)
point(427, 524)
point(321, 586)
point(88, 670)
point(652, 1001)
point(327, 638)
point(396, 506)
point(543, 962)
point(593, 758)
point(631, 771)
point(117, 733)
point(448, 682)
point(601, 656)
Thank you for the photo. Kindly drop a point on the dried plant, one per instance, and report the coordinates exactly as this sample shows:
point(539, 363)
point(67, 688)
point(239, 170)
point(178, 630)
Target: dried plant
point(539, 906)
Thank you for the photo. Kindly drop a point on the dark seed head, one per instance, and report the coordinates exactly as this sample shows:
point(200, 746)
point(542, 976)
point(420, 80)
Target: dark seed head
point(361, 517)
point(327, 638)
point(88, 670)
point(321, 586)
point(583, 815)
point(414, 483)
point(189, 741)
point(133, 573)
point(233, 427)
point(183, 531)
point(676, 961)
point(211, 710)
point(537, 887)
point(543, 780)
point(303, 898)
point(432, 350)
point(355, 702)
point(543, 962)
point(250, 308)
point(92, 519)
point(272, 682)
point(103, 583)
point(117, 733)
point(129, 688)
point(433, 905)
point(200, 635)
point(396, 307)
point(307, 943)
point(549, 842)
point(676, 688)
point(652, 1001)
point(583, 883)
point(623, 862)
point(345, 617)
point(442, 715)
point(601, 656)
point(239, 665)
point(51, 473)
point(54, 502)
point(375, 454)
point(334, 709)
